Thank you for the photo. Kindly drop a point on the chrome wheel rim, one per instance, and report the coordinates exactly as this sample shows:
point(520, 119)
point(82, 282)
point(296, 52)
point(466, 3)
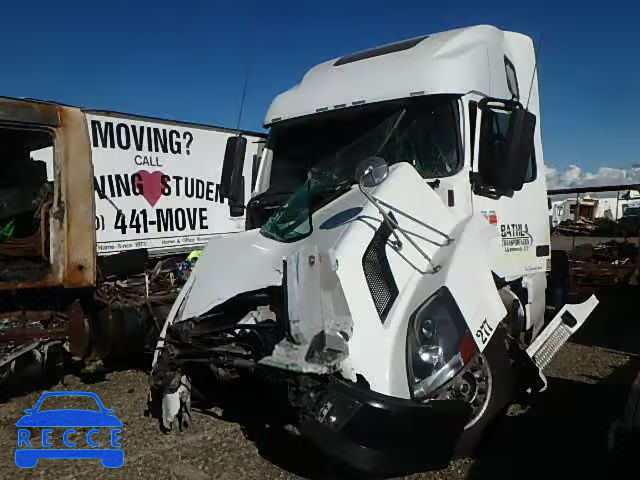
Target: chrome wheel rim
point(473, 386)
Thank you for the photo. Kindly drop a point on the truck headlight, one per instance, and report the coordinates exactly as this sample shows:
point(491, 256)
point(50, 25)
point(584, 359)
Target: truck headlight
point(439, 344)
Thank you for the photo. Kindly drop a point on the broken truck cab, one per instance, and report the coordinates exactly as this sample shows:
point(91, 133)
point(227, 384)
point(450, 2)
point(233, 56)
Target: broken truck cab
point(47, 225)
point(399, 293)
point(33, 196)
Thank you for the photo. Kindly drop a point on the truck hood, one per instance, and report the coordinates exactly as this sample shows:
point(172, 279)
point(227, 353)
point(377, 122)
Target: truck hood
point(235, 263)
point(231, 264)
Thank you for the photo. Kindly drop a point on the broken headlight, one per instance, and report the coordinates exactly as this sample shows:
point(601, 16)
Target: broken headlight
point(439, 343)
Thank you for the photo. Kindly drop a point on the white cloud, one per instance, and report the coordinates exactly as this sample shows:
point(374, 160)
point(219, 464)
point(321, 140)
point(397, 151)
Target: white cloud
point(574, 176)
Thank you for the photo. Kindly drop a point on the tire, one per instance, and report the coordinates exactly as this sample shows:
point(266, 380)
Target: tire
point(501, 393)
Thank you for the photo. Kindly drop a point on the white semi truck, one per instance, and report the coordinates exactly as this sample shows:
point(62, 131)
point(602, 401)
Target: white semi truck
point(398, 294)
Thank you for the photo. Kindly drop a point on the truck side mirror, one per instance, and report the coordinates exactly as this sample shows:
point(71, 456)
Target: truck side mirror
point(506, 146)
point(371, 172)
point(519, 146)
point(232, 181)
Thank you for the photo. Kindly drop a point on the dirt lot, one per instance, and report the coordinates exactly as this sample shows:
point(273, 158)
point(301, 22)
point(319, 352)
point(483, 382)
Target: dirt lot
point(564, 431)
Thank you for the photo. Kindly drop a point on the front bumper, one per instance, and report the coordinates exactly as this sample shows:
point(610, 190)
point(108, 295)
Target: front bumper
point(384, 435)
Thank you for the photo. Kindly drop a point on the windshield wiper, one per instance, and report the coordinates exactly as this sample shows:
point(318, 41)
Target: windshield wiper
point(391, 131)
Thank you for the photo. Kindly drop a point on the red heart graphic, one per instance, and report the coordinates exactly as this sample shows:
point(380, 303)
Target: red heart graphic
point(151, 185)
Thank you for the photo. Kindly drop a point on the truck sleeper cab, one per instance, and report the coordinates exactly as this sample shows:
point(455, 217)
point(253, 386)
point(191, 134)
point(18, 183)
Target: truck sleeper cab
point(398, 294)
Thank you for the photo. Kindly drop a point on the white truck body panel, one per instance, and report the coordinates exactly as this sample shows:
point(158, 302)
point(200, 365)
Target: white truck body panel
point(457, 61)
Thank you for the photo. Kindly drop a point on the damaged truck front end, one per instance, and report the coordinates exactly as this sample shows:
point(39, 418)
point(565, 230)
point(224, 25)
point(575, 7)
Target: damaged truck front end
point(316, 308)
point(364, 302)
point(398, 295)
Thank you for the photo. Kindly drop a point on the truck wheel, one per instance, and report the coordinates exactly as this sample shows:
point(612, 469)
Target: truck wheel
point(488, 385)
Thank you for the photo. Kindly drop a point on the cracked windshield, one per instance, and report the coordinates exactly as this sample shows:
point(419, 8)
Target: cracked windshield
point(422, 132)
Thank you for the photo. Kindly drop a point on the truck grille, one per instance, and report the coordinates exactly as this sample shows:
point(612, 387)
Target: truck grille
point(377, 272)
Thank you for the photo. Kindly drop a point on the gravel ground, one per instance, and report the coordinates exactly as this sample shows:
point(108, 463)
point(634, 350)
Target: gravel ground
point(564, 430)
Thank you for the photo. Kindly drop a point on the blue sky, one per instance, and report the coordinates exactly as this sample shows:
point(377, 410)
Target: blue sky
point(187, 60)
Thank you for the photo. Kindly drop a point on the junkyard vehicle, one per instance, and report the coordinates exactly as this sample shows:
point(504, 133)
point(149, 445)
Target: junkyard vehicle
point(94, 208)
point(629, 223)
point(399, 292)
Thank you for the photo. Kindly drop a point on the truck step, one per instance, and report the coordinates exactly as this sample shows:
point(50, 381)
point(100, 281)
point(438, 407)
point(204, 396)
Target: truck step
point(567, 321)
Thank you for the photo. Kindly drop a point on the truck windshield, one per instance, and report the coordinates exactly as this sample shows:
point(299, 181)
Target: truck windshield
point(427, 137)
point(327, 150)
point(632, 212)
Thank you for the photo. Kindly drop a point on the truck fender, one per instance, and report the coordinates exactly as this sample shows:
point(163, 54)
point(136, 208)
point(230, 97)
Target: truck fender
point(470, 279)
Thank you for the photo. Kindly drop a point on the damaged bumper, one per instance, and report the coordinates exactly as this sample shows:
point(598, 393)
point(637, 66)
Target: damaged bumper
point(408, 437)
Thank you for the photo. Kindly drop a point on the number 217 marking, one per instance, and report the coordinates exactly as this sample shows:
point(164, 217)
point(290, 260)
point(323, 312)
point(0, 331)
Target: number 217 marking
point(484, 332)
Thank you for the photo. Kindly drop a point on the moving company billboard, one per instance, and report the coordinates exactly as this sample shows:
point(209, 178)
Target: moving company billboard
point(157, 185)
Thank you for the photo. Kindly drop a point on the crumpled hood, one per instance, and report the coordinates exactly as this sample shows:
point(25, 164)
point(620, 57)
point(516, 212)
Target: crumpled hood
point(231, 264)
point(235, 263)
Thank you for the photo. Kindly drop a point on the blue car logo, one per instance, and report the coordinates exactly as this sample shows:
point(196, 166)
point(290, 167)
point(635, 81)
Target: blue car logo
point(31, 448)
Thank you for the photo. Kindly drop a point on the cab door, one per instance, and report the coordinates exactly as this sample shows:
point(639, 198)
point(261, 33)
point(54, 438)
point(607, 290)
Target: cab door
point(519, 216)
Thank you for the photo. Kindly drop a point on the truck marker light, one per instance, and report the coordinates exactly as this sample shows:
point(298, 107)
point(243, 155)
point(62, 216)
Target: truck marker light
point(467, 348)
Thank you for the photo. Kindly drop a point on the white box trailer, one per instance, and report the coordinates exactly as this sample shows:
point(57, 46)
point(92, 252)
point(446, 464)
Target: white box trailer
point(166, 178)
point(158, 182)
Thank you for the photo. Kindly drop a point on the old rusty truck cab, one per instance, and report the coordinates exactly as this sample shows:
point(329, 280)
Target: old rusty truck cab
point(98, 211)
point(399, 293)
point(47, 238)
point(47, 222)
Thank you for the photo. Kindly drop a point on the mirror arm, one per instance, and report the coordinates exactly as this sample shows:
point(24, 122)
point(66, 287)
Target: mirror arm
point(499, 103)
point(448, 239)
point(394, 225)
point(483, 190)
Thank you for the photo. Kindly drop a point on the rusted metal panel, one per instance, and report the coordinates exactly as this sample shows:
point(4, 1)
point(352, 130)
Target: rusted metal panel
point(46, 282)
point(79, 333)
point(32, 324)
point(71, 226)
point(23, 111)
point(46, 116)
point(31, 315)
point(77, 207)
point(49, 333)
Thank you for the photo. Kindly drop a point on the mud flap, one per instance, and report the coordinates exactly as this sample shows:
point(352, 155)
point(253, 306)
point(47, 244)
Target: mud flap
point(567, 321)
